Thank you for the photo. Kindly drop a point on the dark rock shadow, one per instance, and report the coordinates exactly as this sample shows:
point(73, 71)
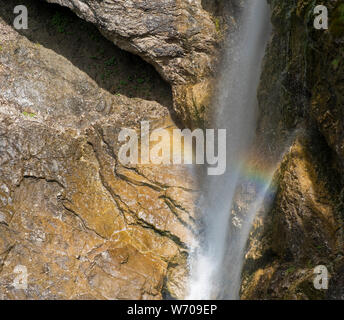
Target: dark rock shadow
point(113, 69)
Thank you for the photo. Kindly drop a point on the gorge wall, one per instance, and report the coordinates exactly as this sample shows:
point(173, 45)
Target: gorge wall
point(301, 98)
point(87, 227)
point(177, 37)
point(83, 225)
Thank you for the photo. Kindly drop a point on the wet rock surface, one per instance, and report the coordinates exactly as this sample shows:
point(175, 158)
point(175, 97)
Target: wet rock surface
point(178, 37)
point(300, 100)
point(83, 225)
point(86, 227)
point(175, 36)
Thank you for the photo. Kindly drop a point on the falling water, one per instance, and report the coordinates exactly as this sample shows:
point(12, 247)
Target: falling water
point(217, 263)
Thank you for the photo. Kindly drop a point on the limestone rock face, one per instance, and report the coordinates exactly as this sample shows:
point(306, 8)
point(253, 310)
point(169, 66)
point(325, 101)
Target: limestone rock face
point(174, 35)
point(82, 224)
point(302, 230)
point(301, 100)
point(178, 37)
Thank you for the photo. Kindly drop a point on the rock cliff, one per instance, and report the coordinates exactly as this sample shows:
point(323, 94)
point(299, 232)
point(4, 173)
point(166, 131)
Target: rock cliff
point(301, 98)
point(85, 226)
point(178, 37)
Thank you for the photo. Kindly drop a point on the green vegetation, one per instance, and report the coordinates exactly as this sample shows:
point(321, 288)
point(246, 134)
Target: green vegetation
point(340, 12)
point(60, 22)
point(217, 24)
point(111, 62)
point(29, 114)
point(309, 264)
point(337, 25)
point(290, 270)
point(335, 63)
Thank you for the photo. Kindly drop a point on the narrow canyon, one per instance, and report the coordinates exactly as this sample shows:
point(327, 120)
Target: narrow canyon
point(86, 226)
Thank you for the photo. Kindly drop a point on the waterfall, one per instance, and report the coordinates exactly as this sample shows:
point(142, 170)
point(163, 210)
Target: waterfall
point(216, 264)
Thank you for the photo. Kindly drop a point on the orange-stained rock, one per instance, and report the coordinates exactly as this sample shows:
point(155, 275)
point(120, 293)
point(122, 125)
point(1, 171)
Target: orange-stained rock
point(83, 225)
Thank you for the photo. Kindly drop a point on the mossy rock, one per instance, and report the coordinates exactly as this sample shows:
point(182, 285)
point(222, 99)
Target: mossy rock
point(307, 288)
point(337, 24)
